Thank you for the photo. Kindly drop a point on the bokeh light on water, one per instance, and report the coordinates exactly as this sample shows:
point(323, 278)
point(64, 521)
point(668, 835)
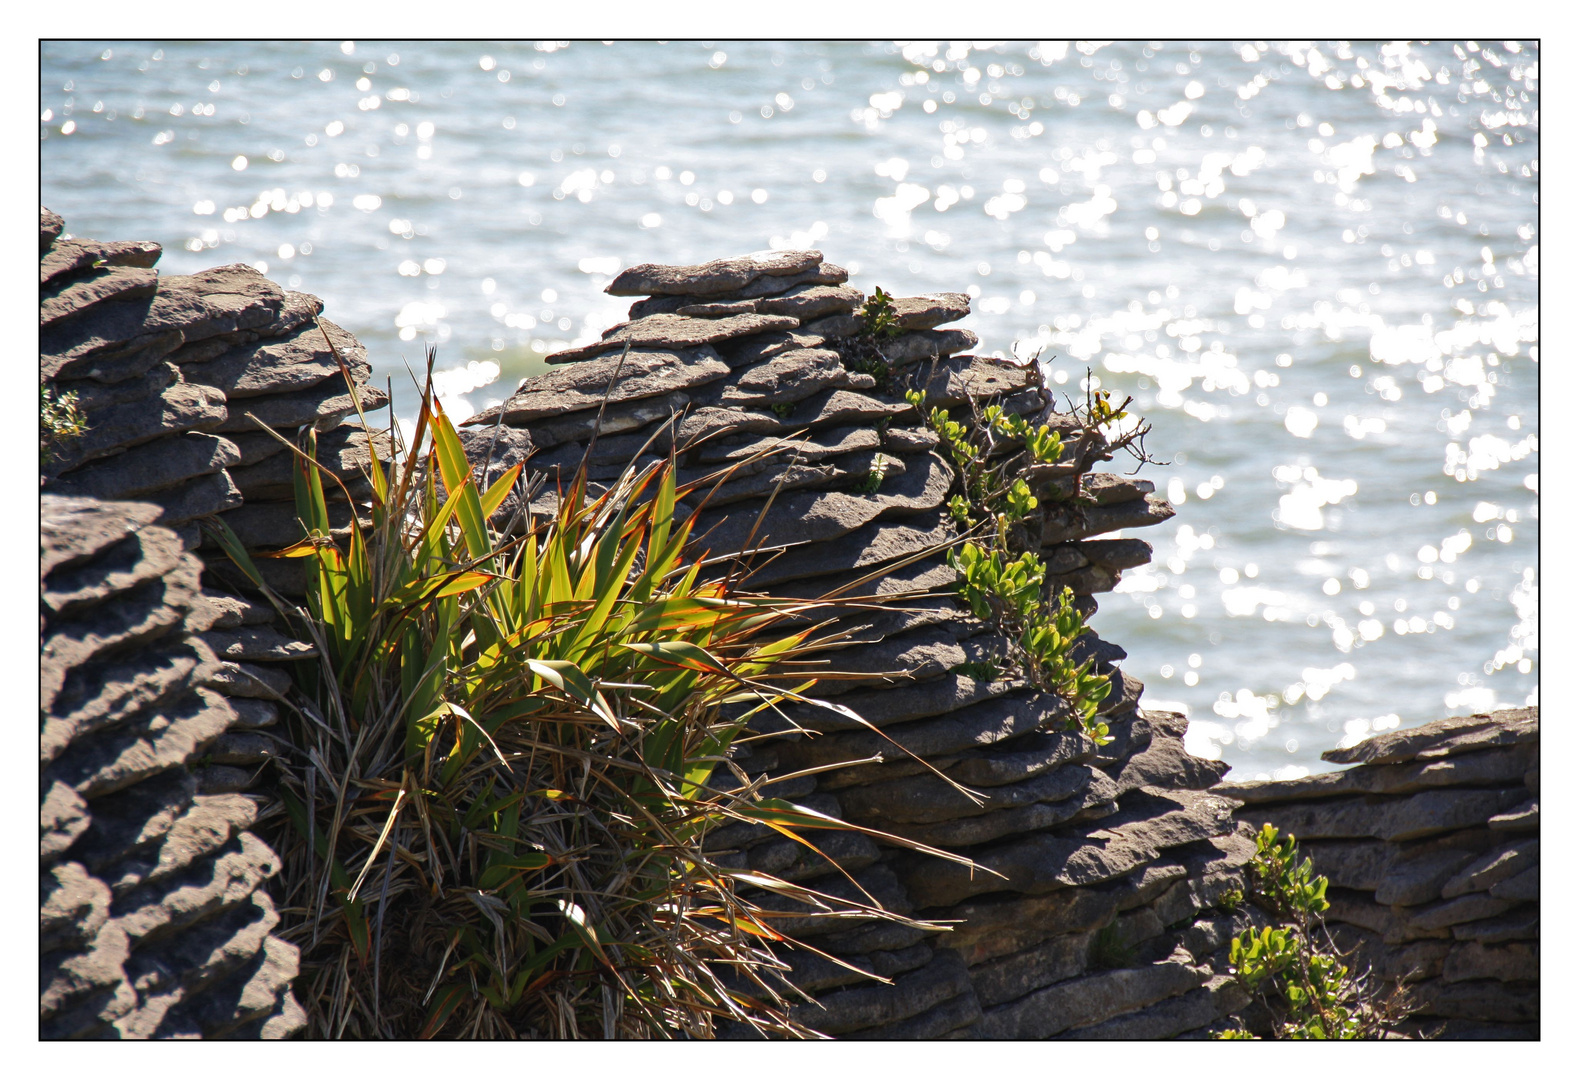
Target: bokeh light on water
point(1314, 266)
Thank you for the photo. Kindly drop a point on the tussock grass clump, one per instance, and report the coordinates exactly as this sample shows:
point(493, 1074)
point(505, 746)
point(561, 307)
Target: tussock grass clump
point(508, 754)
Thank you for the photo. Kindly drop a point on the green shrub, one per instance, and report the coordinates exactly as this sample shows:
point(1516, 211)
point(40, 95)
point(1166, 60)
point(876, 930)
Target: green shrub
point(873, 480)
point(879, 316)
point(59, 422)
point(1292, 966)
point(999, 586)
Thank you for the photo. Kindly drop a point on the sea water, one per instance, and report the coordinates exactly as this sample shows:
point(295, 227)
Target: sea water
point(1314, 266)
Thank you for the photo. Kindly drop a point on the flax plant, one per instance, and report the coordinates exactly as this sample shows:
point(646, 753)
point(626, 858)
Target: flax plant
point(509, 753)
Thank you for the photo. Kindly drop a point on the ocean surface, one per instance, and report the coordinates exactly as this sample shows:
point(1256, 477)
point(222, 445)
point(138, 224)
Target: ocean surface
point(1315, 266)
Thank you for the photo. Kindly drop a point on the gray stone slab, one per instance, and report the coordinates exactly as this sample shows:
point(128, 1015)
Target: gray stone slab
point(814, 974)
point(992, 929)
point(1095, 800)
point(644, 373)
point(73, 906)
point(256, 446)
point(782, 380)
point(120, 339)
point(274, 524)
point(179, 408)
point(1406, 817)
point(809, 517)
point(930, 309)
point(255, 644)
point(675, 332)
point(66, 297)
point(1053, 483)
point(1522, 923)
point(1481, 1000)
point(323, 405)
point(196, 498)
point(1043, 863)
point(1418, 877)
point(918, 346)
point(103, 695)
point(954, 1018)
point(143, 557)
point(1393, 926)
point(133, 752)
point(1020, 760)
point(834, 327)
point(1130, 732)
point(153, 466)
point(1166, 1019)
point(718, 276)
point(1089, 1000)
point(279, 365)
point(858, 553)
point(903, 440)
point(166, 907)
point(850, 471)
point(816, 447)
point(1012, 977)
point(129, 619)
point(1067, 521)
point(1166, 763)
point(801, 302)
point(618, 419)
point(1115, 554)
point(1525, 885)
point(1442, 738)
point(893, 710)
point(742, 352)
point(69, 256)
point(850, 1010)
point(1513, 962)
point(1497, 865)
point(73, 530)
point(1408, 962)
point(242, 682)
point(62, 819)
point(768, 286)
point(1525, 817)
point(1086, 581)
point(1499, 766)
point(807, 302)
point(342, 450)
point(928, 799)
point(227, 299)
point(94, 397)
point(961, 379)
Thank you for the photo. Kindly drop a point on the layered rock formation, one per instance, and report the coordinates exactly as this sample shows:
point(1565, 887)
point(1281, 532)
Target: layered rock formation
point(152, 918)
point(1431, 843)
point(1094, 914)
point(159, 683)
point(177, 377)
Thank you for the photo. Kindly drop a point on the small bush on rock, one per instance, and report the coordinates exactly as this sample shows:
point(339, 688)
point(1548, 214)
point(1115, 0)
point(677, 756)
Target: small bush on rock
point(1291, 966)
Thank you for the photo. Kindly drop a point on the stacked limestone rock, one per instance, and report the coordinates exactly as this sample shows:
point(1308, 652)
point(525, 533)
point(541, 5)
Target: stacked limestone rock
point(152, 918)
point(165, 372)
point(1432, 847)
point(176, 377)
point(1098, 919)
